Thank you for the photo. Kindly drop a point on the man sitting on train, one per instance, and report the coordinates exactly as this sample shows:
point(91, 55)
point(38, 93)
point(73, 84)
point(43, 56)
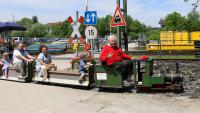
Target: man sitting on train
point(113, 56)
point(20, 57)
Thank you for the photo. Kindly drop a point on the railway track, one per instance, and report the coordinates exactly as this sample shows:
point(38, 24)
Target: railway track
point(144, 52)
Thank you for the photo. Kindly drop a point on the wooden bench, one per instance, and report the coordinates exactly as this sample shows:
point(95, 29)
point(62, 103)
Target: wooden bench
point(64, 77)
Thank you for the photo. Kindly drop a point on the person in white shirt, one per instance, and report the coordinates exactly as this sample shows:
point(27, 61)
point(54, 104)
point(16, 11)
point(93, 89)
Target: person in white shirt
point(20, 58)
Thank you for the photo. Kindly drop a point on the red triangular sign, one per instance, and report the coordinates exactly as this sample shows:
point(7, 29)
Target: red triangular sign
point(118, 18)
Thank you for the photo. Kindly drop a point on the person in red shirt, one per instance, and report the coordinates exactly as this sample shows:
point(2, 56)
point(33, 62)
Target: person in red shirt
point(113, 56)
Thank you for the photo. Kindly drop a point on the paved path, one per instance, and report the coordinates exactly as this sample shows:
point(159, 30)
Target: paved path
point(33, 98)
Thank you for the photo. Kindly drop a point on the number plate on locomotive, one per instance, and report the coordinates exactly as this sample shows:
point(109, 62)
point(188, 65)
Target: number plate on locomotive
point(101, 76)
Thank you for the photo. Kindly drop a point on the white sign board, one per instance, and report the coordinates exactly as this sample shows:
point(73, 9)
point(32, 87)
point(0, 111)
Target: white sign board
point(75, 26)
point(91, 32)
point(101, 76)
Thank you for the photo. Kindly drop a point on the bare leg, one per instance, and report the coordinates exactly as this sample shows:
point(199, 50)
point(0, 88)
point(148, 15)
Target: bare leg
point(3, 73)
point(6, 72)
point(81, 77)
point(20, 67)
point(44, 71)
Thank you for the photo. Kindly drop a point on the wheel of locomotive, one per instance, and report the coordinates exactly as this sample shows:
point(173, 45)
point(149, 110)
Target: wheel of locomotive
point(101, 89)
point(137, 90)
point(178, 88)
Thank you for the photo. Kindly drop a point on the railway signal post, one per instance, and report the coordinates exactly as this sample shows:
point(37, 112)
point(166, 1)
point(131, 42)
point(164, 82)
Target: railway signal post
point(122, 31)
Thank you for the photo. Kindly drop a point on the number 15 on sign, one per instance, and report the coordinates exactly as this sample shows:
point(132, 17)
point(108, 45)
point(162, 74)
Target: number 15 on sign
point(91, 32)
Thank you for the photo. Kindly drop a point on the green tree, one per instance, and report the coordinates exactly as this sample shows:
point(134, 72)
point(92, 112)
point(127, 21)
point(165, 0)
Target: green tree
point(18, 34)
point(175, 22)
point(35, 19)
point(66, 28)
point(193, 21)
point(38, 30)
point(100, 27)
point(60, 30)
point(135, 27)
point(25, 22)
point(153, 34)
point(103, 26)
point(56, 31)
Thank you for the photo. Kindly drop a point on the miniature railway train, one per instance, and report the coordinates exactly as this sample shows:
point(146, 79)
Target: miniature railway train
point(102, 77)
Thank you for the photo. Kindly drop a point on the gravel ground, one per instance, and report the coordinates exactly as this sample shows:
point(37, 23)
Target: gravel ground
point(190, 71)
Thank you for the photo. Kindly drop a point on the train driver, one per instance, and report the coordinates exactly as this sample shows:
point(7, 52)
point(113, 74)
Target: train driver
point(113, 56)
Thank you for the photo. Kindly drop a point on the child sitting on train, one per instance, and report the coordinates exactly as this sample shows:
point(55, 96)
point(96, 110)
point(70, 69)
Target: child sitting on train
point(6, 62)
point(82, 67)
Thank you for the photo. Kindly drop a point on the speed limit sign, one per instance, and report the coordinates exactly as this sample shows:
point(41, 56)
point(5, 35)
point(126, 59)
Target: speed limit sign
point(91, 32)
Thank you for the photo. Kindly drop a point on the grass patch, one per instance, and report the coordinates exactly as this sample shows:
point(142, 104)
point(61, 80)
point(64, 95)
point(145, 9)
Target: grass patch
point(170, 57)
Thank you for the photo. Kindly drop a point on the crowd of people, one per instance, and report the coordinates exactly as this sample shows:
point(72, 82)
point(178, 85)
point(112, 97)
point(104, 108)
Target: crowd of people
point(111, 55)
point(20, 59)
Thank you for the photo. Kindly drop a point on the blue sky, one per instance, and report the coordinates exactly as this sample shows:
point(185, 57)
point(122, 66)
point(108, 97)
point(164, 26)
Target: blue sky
point(147, 11)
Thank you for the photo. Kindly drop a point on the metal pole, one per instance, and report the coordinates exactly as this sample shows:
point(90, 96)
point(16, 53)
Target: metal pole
point(77, 16)
point(118, 30)
point(89, 40)
point(125, 28)
point(86, 5)
point(86, 8)
point(109, 26)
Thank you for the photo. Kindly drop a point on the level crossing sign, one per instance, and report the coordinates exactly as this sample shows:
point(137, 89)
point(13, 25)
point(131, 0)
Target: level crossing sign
point(75, 25)
point(90, 18)
point(118, 18)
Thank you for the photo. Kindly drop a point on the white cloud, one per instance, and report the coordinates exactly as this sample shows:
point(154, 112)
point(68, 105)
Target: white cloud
point(147, 11)
point(150, 12)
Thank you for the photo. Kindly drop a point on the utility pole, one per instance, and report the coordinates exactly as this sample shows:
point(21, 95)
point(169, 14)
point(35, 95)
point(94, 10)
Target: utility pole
point(77, 16)
point(13, 18)
point(122, 31)
point(118, 30)
point(86, 5)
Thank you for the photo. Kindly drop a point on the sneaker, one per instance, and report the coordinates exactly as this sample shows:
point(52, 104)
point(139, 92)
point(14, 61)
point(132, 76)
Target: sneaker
point(55, 68)
point(3, 77)
point(129, 80)
point(80, 80)
point(46, 80)
point(127, 83)
point(21, 76)
point(84, 78)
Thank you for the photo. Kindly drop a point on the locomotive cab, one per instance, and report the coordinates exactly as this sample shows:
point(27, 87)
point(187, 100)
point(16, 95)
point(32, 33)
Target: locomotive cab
point(148, 80)
point(108, 77)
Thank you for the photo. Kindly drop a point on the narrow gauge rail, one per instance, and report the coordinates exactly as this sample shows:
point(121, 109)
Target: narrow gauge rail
point(101, 76)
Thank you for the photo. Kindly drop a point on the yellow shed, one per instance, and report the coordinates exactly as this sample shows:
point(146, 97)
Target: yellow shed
point(195, 36)
point(181, 37)
point(166, 37)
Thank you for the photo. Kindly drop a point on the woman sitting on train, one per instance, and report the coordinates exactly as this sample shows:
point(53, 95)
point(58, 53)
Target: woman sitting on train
point(44, 62)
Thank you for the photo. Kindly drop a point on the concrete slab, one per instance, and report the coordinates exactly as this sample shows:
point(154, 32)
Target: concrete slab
point(34, 98)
